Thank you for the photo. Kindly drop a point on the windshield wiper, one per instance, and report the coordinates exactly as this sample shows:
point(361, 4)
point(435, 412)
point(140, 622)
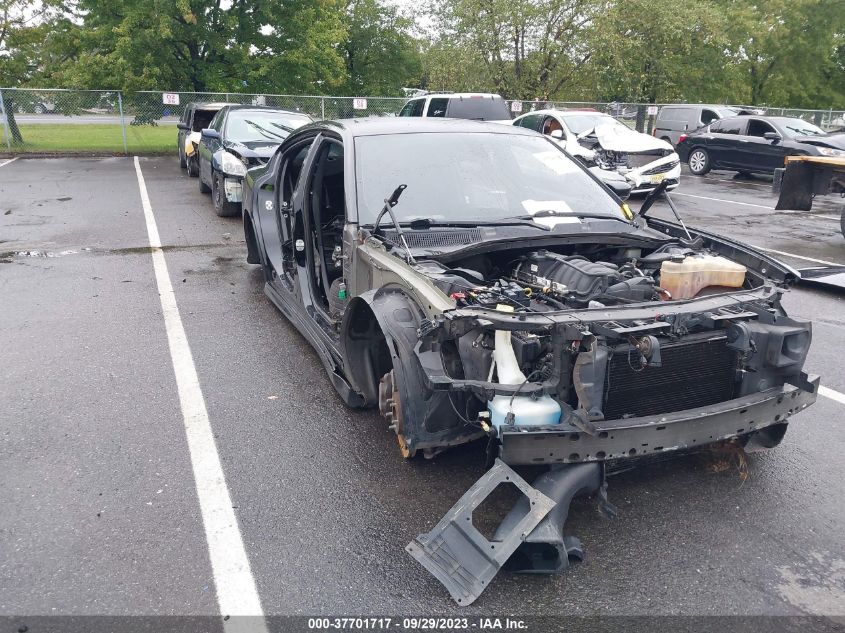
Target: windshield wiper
point(389, 203)
point(551, 213)
point(426, 223)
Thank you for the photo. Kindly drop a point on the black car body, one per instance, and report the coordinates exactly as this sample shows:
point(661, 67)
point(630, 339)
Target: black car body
point(239, 137)
point(755, 144)
point(195, 118)
point(488, 245)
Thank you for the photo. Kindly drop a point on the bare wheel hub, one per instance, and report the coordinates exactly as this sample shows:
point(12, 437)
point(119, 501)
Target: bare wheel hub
point(390, 406)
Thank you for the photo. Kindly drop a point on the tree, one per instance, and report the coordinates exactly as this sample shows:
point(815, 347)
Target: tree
point(381, 55)
point(785, 50)
point(528, 48)
point(659, 50)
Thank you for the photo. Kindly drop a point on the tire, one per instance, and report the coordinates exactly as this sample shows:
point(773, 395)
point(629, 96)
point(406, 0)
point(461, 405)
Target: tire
point(193, 169)
point(204, 188)
point(699, 161)
point(40, 109)
point(222, 207)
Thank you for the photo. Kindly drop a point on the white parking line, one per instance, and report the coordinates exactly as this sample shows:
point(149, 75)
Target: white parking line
point(6, 162)
point(833, 395)
point(806, 259)
point(236, 591)
point(744, 204)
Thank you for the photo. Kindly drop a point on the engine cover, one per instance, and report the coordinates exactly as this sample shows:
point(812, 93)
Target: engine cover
point(586, 280)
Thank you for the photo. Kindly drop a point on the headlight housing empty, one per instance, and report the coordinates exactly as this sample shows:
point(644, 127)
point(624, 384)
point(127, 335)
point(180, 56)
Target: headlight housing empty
point(231, 165)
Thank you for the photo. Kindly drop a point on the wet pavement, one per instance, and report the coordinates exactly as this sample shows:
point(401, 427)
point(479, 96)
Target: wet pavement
point(100, 509)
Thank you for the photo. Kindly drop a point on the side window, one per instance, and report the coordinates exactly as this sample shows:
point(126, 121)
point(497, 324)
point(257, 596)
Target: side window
point(532, 122)
point(217, 121)
point(758, 128)
point(437, 107)
point(417, 109)
point(708, 116)
point(726, 126)
point(406, 109)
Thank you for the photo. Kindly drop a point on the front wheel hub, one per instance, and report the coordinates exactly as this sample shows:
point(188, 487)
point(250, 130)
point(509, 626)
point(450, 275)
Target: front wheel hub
point(390, 406)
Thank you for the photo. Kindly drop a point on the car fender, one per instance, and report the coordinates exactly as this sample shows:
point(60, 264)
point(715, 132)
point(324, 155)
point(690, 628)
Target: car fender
point(428, 418)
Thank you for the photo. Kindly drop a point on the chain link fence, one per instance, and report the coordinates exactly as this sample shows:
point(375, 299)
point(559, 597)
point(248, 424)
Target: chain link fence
point(109, 121)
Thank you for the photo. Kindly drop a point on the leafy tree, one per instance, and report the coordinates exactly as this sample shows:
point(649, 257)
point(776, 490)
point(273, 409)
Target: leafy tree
point(381, 55)
point(528, 48)
point(785, 50)
point(659, 50)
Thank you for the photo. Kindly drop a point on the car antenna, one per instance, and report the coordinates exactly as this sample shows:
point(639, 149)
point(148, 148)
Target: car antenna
point(653, 195)
point(389, 203)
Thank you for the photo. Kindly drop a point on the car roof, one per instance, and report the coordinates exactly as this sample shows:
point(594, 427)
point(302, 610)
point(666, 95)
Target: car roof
point(459, 95)
point(566, 112)
point(266, 109)
point(210, 105)
point(374, 126)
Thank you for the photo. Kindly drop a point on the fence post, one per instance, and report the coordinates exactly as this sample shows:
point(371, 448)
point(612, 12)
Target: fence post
point(122, 121)
point(5, 121)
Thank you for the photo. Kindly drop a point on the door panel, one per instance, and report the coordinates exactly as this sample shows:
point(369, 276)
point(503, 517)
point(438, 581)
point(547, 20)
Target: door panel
point(274, 208)
point(759, 153)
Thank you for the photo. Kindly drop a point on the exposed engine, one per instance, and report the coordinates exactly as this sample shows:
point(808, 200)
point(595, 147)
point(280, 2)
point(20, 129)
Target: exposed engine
point(607, 159)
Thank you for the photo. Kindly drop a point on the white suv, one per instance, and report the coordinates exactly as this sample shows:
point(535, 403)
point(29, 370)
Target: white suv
point(464, 105)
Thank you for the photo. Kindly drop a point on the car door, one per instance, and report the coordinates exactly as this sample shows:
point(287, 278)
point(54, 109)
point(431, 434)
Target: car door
point(759, 153)
point(274, 203)
point(723, 140)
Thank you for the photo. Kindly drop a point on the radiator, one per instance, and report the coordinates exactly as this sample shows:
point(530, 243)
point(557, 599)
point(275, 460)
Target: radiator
point(693, 374)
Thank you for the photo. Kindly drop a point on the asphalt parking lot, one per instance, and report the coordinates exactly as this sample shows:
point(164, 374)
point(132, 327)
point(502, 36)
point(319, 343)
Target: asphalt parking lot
point(101, 512)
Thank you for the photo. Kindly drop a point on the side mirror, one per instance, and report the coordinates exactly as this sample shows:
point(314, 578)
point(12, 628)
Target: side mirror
point(774, 137)
point(210, 133)
point(556, 134)
point(183, 126)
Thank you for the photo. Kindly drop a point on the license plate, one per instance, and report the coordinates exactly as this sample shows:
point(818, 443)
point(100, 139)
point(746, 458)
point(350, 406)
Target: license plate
point(657, 179)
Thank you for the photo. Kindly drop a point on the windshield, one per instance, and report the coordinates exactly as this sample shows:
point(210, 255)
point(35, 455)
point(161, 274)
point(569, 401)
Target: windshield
point(797, 127)
point(588, 122)
point(261, 125)
point(473, 176)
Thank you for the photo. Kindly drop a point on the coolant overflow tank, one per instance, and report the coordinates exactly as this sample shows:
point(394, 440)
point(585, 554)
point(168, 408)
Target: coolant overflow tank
point(685, 279)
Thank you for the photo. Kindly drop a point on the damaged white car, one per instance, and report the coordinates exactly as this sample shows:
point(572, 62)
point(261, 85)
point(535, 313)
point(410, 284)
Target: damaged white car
point(624, 159)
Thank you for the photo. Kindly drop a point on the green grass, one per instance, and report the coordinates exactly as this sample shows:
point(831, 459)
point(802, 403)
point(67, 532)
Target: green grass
point(142, 139)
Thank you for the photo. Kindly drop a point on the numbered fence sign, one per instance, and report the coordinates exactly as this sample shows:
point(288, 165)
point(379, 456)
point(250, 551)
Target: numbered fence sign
point(516, 106)
point(359, 103)
point(170, 98)
point(652, 110)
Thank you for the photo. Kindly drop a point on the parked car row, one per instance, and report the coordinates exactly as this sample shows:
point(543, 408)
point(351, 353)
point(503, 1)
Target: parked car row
point(218, 142)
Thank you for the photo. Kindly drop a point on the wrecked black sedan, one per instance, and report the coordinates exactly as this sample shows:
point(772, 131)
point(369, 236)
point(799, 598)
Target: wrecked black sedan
point(473, 280)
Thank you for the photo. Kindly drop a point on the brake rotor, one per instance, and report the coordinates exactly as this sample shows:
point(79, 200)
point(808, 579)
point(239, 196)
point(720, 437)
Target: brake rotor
point(390, 406)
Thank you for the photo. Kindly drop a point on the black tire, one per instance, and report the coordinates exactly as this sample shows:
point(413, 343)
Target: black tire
point(183, 162)
point(222, 207)
point(699, 161)
point(193, 168)
point(204, 188)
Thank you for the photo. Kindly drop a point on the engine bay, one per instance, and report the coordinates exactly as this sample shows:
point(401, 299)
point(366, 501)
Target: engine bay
point(544, 280)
